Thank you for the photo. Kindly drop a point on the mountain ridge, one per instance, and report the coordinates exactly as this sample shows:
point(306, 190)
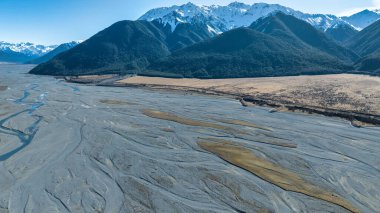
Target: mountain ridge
point(363, 18)
point(51, 54)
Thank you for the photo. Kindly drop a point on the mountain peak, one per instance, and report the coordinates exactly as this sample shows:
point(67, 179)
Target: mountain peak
point(363, 19)
point(239, 5)
point(190, 4)
point(365, 12)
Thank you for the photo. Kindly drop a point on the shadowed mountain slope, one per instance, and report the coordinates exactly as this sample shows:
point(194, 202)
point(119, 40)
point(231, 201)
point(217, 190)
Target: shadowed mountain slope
point(367, 44)
point(370, 64)
point(341, 33)
point(244, 52)
point(124, 47)
point(366, 41)
point(300, 33)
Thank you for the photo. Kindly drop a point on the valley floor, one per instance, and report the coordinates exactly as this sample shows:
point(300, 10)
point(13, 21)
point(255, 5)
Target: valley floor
point(77, 148)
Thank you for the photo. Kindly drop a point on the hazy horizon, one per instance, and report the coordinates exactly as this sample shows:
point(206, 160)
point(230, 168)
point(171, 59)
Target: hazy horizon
point(55, 22)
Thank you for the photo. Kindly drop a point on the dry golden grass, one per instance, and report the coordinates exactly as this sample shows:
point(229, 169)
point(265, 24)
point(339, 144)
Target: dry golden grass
point(356, 93)
point(281, 177)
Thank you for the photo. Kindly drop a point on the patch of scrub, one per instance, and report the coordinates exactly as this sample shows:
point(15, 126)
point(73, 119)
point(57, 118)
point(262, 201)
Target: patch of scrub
point(268, 171)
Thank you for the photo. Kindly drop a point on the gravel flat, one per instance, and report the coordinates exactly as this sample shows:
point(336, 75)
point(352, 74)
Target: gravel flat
point(76, 148)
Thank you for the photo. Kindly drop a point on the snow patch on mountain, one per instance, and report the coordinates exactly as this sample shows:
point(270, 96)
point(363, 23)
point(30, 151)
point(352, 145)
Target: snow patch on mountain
point(72, 43)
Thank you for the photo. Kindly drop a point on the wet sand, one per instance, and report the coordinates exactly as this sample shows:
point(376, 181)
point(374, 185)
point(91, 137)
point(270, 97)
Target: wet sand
point(76, 148)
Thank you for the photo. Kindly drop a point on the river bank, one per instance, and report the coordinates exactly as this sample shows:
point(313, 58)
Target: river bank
point(352, 97)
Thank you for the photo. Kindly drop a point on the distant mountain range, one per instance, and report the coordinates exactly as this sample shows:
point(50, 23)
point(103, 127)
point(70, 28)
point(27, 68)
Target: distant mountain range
point(21, 52)
point(237, 40)
point(29, 52)
point(223, 18)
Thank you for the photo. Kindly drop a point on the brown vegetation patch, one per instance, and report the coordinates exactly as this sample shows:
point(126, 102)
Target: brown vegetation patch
point(243, 123)
point(268, 171)
point(190, 122)
point(187, 121)
point(115, 102)
point(167, 130)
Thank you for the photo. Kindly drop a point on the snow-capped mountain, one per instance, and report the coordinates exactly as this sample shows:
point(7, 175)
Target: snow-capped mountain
point(224, 18)
point(26, 48)
point(21, 52)
point(363, 19)
point(26, 52)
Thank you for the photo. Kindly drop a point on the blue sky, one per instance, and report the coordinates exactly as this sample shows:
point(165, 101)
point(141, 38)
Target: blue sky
point(58, 21)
